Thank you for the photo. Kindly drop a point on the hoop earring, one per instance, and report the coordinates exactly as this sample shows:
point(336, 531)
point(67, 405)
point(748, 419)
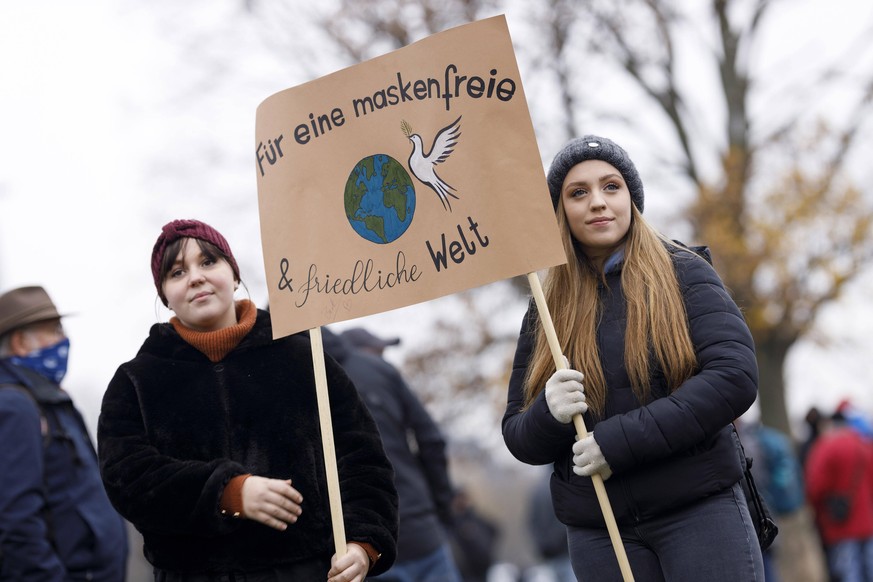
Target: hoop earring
point(246, 289)
point(158, 305)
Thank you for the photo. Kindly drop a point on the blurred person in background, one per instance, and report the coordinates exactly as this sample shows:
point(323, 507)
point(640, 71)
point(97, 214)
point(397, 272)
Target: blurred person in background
point(548, 533)
point(417, 450)
point(474, 540)
point(813, 421)
point(778, 476)
point(56, 522)
point(839, 487)
point(855, 418)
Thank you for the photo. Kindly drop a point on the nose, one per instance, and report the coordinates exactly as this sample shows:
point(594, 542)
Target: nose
point(196, 277)
point(598, 202)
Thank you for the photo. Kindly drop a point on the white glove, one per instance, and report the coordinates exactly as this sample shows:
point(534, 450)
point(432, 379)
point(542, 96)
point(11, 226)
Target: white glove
point(565, 395)
point(588, 458)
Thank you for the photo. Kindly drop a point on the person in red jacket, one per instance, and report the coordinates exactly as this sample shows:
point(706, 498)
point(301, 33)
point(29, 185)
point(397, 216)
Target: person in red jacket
point(839, 486)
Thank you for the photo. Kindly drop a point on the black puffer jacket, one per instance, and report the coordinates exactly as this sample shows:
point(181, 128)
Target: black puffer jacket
point(175, 428)
point(666, 453)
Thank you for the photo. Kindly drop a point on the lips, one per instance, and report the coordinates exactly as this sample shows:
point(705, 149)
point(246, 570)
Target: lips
point(200, 296)
point(600, 221)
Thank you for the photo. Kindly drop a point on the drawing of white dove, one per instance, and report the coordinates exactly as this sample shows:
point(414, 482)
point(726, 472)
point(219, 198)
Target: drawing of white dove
point(423, 166)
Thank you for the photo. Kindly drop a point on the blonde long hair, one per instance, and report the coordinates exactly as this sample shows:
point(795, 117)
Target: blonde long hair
point(657, 323)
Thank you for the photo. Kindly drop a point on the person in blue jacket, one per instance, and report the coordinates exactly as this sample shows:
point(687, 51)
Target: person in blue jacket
point(661, 362)
point(56, 521)
point(778, 476)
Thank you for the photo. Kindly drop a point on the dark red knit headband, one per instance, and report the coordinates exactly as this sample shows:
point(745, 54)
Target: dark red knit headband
point(173, 231)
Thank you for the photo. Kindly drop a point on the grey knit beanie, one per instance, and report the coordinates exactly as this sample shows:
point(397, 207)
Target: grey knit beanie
point(592, 147)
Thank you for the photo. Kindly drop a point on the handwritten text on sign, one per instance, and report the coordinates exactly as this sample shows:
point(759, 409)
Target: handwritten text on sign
point(404, 178)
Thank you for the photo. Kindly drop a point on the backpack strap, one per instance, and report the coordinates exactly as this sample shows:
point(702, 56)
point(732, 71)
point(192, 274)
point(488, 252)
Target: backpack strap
point(46, 431)
point(701, 251)
point(44, 428)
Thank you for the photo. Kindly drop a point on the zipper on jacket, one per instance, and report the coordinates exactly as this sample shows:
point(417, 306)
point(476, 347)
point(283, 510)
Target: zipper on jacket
point(631, 503)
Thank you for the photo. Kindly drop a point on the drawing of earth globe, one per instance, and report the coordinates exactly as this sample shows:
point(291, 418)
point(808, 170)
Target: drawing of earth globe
point(379, 199)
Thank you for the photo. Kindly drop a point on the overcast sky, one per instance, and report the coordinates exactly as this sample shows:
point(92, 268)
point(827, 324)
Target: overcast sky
point(89, 172)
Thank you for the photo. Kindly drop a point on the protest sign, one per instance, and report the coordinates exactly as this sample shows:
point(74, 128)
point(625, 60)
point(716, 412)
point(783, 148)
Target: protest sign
point(402, 179)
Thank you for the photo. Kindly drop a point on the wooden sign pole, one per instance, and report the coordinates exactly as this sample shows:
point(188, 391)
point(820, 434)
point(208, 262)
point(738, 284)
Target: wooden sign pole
point(333, 489)
point(581, 431)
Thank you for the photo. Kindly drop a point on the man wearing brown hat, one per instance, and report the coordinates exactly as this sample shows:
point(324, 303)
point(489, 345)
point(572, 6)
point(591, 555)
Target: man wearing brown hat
point(56, 522)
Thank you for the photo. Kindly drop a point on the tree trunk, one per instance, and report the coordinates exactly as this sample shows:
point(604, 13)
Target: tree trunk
point(771, 383)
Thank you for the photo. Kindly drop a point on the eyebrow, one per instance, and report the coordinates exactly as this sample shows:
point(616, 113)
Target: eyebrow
point(181, 261)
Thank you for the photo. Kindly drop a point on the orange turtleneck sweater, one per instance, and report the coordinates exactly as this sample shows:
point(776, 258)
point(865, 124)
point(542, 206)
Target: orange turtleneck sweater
point(217, 344)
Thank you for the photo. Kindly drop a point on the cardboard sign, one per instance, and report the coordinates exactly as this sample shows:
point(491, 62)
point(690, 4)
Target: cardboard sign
point(405, 178)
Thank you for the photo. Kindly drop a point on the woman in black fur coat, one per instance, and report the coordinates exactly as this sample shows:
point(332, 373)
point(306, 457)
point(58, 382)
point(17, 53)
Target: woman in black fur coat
point(209, 441)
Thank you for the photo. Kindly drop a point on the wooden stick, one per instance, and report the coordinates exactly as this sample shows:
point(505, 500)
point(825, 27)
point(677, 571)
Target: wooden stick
point(333, 489)
point(581, 431)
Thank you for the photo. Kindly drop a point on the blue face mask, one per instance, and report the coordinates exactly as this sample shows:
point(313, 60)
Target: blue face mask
point(50, 362)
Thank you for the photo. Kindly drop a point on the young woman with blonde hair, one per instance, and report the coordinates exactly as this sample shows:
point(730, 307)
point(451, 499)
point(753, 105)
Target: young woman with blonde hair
point(661, 362)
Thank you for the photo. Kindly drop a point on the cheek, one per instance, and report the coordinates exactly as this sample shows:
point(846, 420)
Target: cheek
point(226, 283)
point(575, 231)
point(172, 292)
point(575, 217)
point(30, 343)
point(626, 219)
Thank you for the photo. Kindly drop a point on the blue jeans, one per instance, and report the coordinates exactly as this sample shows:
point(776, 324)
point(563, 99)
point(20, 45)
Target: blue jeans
point(438, 566)
point(849, 559)
point(771, 571)
point(712, 540)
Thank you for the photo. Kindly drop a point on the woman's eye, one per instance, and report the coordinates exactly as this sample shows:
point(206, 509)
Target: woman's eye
point(612, 186)
point(176, 273)
point(208, 262)
point(577, 193)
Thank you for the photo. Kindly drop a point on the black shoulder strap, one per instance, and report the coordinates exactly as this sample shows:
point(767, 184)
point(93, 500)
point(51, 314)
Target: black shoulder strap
point(701, 251)
point(44, 428)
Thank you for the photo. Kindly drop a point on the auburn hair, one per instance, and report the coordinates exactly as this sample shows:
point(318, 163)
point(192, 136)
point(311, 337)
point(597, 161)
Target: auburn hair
point(657, 324)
